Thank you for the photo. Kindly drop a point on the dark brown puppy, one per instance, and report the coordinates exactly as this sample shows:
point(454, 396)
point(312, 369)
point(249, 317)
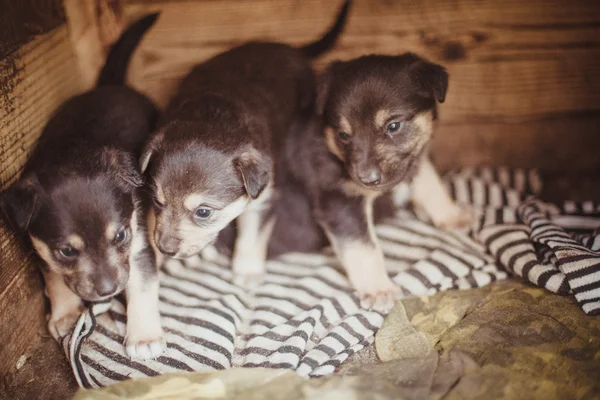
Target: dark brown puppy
point(377, 114)
point(79, 201)
point(212, 158)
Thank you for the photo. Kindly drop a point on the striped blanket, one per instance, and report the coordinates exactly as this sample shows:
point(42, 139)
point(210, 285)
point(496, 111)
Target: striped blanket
point(306, 317)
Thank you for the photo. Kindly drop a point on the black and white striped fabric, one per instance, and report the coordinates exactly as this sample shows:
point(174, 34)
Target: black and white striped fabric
point(305, 316)
point(552, 249)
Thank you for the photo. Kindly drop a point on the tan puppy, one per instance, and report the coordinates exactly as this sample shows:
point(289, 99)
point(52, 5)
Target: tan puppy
point(377, 119)
point(213, 158)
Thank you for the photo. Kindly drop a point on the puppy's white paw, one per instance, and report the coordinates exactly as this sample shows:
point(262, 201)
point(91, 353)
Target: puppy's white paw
point(62, 325)
point(145, 349)
point(248, 272)
point(249, 281)
point(381, 297)
point(457, 218)
point(144, 339)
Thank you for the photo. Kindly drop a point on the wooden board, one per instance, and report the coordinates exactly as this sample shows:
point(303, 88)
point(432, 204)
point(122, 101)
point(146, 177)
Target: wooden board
point(22, 318)
point(559, 146)
point(22, 20)
point(44, 75)
point(34, 80)
point(509, 61)
point(93, 26)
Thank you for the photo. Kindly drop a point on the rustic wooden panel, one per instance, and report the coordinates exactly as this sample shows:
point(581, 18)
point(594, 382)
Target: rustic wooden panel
point(93, 27)
point(22, 317)
point(560, 145)
point(22, 20)
point(43, 74)
point(509, 61)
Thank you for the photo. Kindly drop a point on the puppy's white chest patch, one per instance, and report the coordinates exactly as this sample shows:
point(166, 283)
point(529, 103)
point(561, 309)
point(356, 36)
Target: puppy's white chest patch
point(401, 194)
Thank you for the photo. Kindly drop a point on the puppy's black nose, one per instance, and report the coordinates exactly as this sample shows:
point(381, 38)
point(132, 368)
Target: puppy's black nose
point(168, 245)
point(370, 176)
point(106, 287)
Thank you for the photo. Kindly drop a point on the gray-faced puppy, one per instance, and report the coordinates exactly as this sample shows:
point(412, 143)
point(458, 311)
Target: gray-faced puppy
point(212, 158)
point(378, 114)
point(79, 201)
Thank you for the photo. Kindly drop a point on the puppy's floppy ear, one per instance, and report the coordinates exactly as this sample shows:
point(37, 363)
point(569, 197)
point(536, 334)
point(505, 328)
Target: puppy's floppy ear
point(255, 169)
point(20, 203)
point(124, 166)
point(432, 78)
point(149, 148)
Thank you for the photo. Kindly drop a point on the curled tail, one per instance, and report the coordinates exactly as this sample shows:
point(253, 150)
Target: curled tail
point(315, 49)
point(115, 68)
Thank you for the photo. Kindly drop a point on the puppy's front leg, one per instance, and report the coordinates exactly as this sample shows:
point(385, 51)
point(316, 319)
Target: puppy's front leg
point(430, 194)
point(348, 223)
point(65, 305)
point(250, 250)
point(144, 338)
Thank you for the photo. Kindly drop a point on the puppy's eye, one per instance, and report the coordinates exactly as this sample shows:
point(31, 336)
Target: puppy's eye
point(68, 252)
point(158, 204)
point(394, 127)
point(343, 136)
point(202, 212)
point(121, 236)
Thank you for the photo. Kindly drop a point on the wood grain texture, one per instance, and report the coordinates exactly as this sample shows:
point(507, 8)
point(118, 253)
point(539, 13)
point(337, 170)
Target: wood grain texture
point(560, 145)
point(93, 27)
point(35, 80)
point(509, 61)
point(43, 76)
point(22, 317)
point(22, 20)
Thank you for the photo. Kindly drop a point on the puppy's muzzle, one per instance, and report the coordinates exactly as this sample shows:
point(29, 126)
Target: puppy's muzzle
point(365, 167)
point(106, 287)
point(369, 176)
point(168, 245)
point(98, 288)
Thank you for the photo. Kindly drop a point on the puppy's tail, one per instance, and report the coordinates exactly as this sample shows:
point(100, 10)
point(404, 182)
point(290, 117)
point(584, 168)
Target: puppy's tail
point(315, 49)
point(117, 61)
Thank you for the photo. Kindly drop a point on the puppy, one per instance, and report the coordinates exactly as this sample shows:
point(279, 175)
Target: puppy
point(212, 158)
point(376, 119)
point(79, 201)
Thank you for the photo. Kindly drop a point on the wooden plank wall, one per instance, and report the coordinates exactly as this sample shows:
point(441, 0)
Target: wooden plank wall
point(42, 63)
point(22, 20)
point(525, 75)
point(25, 69)
point(44, 75)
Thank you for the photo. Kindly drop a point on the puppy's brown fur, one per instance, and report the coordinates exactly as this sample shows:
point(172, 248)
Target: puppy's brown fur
point(212, 158)
point(79, 202)
point(377, 116)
